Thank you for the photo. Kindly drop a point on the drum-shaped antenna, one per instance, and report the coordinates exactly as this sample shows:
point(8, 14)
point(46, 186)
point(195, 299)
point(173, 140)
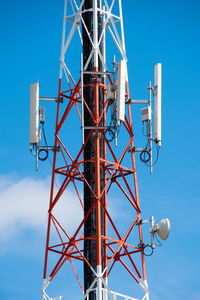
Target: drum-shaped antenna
point(163, 228)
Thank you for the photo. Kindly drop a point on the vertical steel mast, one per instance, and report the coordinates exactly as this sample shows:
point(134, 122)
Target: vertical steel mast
point(93, 95)
point(98, 167)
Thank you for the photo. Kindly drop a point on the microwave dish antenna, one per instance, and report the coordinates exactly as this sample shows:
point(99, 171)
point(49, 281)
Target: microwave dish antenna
point(162, 229)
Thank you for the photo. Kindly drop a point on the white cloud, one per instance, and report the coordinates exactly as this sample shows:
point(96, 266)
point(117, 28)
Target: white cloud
point(24, 204)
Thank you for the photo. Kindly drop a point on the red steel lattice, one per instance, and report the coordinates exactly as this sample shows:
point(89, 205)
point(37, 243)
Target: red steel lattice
point(116, 247)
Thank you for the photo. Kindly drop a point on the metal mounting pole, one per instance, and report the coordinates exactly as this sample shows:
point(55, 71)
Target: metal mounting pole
point(82, 97)
point(150, 129)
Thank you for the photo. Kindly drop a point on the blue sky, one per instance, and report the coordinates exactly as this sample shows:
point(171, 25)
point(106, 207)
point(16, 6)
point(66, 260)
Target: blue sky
point(155, 31)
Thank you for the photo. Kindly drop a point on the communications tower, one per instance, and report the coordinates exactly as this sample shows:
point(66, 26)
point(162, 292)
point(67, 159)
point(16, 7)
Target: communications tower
point(98, 160)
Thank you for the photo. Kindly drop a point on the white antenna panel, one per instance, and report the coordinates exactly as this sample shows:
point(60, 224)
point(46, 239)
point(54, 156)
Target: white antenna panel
point(121, 90)
point(34, 113)
point(157, 103)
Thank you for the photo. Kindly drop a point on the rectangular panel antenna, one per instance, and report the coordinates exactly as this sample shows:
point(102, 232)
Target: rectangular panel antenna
point(34, 113)
point(157, 104)
point(146, 114)
point(121, 90)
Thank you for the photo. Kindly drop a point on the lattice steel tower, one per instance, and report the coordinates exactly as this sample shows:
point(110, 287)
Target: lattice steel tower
point(101, 164)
